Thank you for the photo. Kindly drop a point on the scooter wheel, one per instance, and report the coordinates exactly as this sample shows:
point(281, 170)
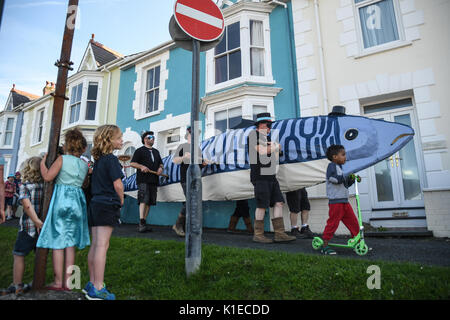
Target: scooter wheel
point(361, 249)
point(317, 243)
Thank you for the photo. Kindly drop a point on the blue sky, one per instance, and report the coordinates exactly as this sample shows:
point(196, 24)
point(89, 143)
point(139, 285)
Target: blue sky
point(32, 30)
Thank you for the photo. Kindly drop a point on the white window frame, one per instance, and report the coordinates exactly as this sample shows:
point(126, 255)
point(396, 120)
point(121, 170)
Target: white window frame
point(245, 102)
point(226, 108)
point(124, 149)
point(82, 119)
point(244, 18)
point(3, 130)
point(145, 91)
point(228, 52)
point(385, 46)
point(35, 129)
point(97, 104)
point(140, 85)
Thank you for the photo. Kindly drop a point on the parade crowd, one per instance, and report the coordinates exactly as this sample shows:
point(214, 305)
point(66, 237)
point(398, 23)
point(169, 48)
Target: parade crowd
point(87, 200)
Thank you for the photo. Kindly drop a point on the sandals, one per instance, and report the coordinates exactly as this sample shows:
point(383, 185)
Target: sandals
point(54, 288)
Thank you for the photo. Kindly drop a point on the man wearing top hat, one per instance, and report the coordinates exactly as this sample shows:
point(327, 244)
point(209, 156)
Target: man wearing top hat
point(264, 158)
point(148, 163)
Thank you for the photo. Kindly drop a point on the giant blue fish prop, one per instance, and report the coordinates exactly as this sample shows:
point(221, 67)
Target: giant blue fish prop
point(303, 162)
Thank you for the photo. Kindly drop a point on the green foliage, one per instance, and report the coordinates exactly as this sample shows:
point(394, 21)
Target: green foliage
point(149, 269)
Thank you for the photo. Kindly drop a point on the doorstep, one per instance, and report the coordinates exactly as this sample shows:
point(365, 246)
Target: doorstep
point(400, 232)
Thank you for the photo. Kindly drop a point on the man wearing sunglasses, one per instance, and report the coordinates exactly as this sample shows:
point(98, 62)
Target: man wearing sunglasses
point(148, 163)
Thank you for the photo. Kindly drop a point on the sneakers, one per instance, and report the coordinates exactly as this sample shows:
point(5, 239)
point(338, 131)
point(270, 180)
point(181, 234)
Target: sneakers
point(306, 233)
point(143, 228)
point(11, 289)
point(9, 218)
point(88, 287)
point(327, 250)
point(296, 233)
point(178, 230)
point(17, 290)
point(103, 294)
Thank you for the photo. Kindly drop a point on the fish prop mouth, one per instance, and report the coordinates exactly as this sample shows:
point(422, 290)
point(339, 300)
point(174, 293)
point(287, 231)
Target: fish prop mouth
point(401, 136)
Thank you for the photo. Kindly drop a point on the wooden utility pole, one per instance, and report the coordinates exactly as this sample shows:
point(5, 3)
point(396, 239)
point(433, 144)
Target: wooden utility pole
point(64, 65)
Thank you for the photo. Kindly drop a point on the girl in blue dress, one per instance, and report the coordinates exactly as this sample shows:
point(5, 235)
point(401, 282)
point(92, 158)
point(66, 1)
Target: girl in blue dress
point(66, 225)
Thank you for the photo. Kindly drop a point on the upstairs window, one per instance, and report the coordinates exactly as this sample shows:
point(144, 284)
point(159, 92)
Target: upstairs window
point(152, 90)
point(256, 48)
point(39, 126)
point(91, 104)
point(378, 22)
point(9, 131)
point(75, 103)
point(227, 54)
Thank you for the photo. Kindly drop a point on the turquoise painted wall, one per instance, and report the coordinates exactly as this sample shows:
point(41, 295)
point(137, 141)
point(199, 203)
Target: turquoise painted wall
point(179, 84)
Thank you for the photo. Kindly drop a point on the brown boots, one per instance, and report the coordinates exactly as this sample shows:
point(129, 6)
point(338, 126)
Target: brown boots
point(233, 222)
point(248, 224)
point(280, 234)
point(232, 225)
point(259, 233)
point(278, 227)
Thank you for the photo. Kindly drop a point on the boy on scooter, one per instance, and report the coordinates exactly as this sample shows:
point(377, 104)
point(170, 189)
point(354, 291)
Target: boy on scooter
point(337, 192)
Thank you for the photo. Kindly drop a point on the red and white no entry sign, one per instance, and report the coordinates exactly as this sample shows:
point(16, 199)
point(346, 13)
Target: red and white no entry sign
point(200, 19)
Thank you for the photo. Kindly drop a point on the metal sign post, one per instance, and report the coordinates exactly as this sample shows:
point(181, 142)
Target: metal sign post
point(195, 26)
point(194, 178)
point(64, 65)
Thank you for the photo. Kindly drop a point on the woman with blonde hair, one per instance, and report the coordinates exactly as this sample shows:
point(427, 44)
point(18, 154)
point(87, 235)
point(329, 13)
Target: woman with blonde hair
point(104, 209)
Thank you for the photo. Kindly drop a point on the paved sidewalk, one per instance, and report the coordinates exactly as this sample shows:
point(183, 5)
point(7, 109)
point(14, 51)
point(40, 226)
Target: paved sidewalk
point(424, 251)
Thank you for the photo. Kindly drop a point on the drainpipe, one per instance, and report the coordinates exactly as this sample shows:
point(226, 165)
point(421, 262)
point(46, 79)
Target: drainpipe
point(107, 94)
point(293, 64)
point(321, 59)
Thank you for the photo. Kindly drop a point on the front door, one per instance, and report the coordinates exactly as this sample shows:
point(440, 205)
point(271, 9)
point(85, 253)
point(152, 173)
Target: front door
point(396, 181)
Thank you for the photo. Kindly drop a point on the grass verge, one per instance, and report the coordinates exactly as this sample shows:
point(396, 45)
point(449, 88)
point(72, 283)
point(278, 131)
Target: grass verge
point(151, 269)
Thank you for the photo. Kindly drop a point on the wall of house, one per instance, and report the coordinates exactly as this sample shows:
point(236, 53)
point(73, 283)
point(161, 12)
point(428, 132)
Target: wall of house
point(177, 106)
point(417, 67)
point(27, 146)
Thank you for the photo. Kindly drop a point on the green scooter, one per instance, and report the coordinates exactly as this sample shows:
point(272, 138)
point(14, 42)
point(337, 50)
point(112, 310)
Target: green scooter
point(357, 243)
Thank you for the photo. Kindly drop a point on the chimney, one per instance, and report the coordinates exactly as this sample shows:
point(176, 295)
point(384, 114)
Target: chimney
point(49, 87)
point(14, 87)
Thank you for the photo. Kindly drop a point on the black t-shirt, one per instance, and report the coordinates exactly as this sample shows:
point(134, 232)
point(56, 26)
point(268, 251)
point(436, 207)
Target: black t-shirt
point(257, 161)
point(150, 158)
point(182, 148)
point(106, 170)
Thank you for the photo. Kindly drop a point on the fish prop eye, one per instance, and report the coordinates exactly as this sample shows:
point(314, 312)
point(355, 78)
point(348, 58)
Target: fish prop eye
point(351, 134)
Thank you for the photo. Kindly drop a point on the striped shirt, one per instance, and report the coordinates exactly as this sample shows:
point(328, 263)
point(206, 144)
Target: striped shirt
point(34, 192)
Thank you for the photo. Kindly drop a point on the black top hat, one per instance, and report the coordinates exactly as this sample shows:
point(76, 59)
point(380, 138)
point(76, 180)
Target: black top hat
point(264, 116)
point(337, 111)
